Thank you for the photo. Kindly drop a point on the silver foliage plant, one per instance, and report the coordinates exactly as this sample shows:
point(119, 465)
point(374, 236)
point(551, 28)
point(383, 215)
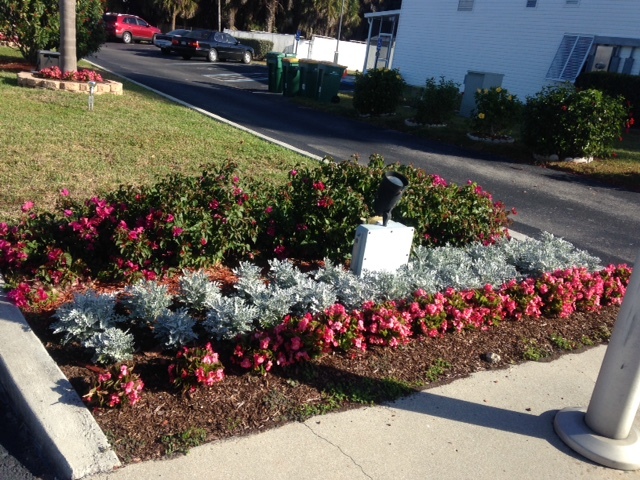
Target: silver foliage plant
point(175, 329)
point(88, 314)
point(230, 316)
point(147, 300)
point(263, 303)
point(196, 290)
point(111, 346)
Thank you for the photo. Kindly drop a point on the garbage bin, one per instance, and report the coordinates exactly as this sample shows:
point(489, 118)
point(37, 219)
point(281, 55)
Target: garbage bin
point(329, 78)
point(274, 67)
point(291, 76)
point(309, 78)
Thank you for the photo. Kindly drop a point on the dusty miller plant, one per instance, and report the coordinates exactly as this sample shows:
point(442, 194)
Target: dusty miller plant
point(230, 316)
point(147, 300)
point(533, 257)
point(196, 290)
point(175, 329)
point(88, 314)
point(111, 346)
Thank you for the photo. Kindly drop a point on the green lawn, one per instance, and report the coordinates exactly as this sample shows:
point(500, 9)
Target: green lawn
point(51, 141)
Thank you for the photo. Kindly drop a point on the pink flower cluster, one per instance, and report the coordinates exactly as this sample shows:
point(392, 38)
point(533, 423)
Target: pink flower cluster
point(115, 387)
point(394, 323)
point(194, 367)
point(79, 76)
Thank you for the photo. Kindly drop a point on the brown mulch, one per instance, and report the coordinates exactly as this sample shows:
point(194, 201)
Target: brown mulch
point(245, 404)
point(17, 67)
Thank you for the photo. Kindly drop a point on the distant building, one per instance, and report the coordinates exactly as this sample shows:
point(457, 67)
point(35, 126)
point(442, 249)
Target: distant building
point(522, 44)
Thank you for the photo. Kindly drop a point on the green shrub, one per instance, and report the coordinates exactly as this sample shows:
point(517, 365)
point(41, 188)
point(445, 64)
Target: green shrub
point(570, 123)
point(613, 84)
point(36, 23)
point(317, 213)
point(184, 222)
point(260, 47)
point(496, 112)
point(438, 102)
point(379, 91)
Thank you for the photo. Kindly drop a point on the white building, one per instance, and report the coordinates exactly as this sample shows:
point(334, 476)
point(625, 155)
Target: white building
point(524, 44)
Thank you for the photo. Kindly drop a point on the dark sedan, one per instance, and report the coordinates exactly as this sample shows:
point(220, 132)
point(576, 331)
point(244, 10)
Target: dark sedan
point(163, 40)
point(212, 45)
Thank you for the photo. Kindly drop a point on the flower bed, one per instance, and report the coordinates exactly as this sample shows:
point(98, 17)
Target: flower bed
point(32, 80)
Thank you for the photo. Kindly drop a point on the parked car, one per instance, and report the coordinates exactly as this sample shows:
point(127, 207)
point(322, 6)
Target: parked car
point(163, 40)
point(212, 45)
point(128, 28)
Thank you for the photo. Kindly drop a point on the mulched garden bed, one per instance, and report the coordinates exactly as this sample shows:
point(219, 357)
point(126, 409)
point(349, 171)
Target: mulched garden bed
point(166, 422)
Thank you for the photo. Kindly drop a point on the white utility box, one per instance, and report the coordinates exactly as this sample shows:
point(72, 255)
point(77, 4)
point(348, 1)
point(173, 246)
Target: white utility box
point(378, 248)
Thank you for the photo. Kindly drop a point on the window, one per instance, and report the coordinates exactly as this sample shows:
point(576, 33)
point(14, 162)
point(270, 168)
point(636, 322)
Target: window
point(573, 2)
point(570, 57)
point(465, 5)
point(532, 3)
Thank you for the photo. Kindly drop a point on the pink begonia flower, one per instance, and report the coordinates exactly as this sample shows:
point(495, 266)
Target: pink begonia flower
point(177, 231)
point(170, 218)
point(27, 206)
point(124, 370)
point(246, 363)
point(64, 192)
point(296, 343)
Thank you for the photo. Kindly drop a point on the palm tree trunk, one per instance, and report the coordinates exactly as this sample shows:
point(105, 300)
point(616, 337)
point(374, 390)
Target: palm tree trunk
point(68, 58)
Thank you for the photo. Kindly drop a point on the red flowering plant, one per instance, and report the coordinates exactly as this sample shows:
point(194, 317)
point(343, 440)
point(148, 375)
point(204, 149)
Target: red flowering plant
point(255, 352)
point(115, 387)
point(79, 76)
point(386, 325)
point(195, 367)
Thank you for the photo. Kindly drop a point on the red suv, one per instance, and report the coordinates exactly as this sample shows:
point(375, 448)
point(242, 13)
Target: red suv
point(128, 28)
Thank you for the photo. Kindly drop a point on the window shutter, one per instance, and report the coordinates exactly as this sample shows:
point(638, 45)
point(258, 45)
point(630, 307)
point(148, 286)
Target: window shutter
point(573, 2)
point(532, 3)
point(570, 57)
point(465, 5)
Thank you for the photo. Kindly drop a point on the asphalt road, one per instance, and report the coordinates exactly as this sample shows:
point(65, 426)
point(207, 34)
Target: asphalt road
point(601, 219)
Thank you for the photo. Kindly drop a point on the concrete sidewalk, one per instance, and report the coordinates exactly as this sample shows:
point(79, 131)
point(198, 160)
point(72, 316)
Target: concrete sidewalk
point(493, 425)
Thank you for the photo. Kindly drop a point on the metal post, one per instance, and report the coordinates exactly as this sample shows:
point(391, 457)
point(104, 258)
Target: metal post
point(605, 434)
point(335, 56)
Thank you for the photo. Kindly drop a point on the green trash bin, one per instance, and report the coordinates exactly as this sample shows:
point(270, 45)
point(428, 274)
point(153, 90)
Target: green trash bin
point(291, 77)
point(309, 78)
point(274, 66)
point(329, 78)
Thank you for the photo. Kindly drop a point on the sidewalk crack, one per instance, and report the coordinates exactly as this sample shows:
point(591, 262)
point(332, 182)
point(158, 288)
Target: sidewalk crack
point(340, 449)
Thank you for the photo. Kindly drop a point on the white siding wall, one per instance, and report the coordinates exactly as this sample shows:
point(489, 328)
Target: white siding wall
point(502, 36)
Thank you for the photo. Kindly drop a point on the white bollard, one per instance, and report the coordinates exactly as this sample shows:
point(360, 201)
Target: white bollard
point(605, 434)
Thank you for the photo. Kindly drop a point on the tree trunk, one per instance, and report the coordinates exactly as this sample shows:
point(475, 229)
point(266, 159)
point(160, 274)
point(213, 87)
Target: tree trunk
point(272, 5)
point(68, 56)
point(174, 15)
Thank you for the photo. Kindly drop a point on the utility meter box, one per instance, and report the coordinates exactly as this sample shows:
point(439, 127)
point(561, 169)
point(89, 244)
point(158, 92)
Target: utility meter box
point(47, 59)
point(377, 248)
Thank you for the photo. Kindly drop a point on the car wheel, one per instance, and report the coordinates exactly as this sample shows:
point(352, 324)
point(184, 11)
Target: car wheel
point(166, 51)
point(186, 57)
point(212, 56)
point(126, 37)
point(247, 57)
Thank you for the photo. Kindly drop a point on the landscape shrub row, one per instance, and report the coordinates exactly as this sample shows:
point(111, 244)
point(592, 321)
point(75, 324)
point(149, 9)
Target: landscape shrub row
point(561, 120)
point(193, 222)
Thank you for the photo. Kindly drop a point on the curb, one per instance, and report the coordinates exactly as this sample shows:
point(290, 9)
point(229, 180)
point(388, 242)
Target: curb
point(47, 403)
